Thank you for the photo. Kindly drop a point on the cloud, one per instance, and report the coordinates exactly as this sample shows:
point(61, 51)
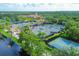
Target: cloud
point(39, 7)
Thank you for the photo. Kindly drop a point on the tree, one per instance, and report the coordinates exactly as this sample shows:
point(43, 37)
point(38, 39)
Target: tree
point(41, 34)
point(32, 44)
point(72, 29)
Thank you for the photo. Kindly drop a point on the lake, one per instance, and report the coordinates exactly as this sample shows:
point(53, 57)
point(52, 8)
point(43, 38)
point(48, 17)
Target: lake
point(9, 50)
point(48, 29)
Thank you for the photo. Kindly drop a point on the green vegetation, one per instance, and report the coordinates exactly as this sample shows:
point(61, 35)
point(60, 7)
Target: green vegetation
point(36, 47)
point(41, 34)
point(33, 44)
point(72, 29)
point(53, 36)
point(25, 18)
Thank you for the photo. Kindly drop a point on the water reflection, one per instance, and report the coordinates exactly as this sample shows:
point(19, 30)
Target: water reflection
point(9, 48)
point(61, 43)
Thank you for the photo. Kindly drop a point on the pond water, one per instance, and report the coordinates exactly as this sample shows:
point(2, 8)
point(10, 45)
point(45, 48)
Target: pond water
point(48, 29)
point(61, 43)
point(20, 24)
point(7, 50)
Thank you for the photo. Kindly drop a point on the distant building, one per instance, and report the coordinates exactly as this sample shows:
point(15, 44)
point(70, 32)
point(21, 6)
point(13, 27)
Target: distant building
point(36, 16)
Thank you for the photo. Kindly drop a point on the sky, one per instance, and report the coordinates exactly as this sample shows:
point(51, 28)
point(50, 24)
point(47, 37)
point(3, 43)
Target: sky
point(39, 5)
point(39, 1)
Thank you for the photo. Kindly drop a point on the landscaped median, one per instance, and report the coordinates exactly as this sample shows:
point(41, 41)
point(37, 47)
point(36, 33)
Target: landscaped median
point(54, 36)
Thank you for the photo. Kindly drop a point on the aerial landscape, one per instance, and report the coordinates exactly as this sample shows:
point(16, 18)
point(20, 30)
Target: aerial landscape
point(38, 33)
